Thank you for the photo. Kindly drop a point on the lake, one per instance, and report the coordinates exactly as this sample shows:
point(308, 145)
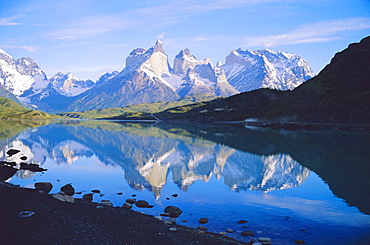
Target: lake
point(288, 185)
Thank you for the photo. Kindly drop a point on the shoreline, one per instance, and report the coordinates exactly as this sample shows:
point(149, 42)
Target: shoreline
point(57, 222)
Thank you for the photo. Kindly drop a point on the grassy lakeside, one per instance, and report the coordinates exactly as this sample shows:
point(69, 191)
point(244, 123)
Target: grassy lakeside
point(138, 111)
point(12, 110)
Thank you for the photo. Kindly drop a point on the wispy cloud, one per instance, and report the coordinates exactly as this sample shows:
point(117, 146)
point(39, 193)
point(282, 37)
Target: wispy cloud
point(89, 26)
point(161, 36)
point(311, 33)
point(28, 48)
point(9, 21)
point(149, 17)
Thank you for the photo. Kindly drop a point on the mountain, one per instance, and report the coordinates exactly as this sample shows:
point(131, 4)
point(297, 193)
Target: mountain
point(20, 75)
point(148, 78)
point(199, 76)
point(69, 85)
point(250, 70)
point(141, 81)
point(340, 93)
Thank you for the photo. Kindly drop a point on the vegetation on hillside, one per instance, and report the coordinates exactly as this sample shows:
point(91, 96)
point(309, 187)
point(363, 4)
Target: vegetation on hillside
point(141, 111)
point(12, 110)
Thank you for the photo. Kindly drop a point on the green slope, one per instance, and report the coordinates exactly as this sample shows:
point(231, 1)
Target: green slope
point(11, 110)
point(141, 111)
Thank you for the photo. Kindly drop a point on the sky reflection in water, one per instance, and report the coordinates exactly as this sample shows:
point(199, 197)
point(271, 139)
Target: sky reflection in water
point(238, 174)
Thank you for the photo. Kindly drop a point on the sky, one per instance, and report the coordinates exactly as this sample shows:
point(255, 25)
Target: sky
point(92, 37)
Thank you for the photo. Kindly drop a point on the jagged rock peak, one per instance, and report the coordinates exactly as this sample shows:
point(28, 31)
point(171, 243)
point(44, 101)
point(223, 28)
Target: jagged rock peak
point(139, 55)
point(185, 60)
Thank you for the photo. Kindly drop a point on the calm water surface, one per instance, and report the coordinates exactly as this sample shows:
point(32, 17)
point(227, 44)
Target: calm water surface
point(288, 185)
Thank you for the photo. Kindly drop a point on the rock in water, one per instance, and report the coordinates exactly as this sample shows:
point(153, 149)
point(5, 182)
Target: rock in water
point(68, 189)
point(44, 186)
point(247, 233)
point(6, 172)
point(12, 152)
point(88, 197)
point(141, 204)
point(203, 220)
point(173, 211)
point(131, 200)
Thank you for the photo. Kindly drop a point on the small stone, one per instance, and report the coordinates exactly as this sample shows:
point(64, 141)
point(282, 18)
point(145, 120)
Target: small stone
point(150, 206)
point(184, 221)
point(95, 191)
point(201, 232)
point(167, 222)
point(88, 197)
point(173, 229)
point(119, 193)
point(23, 158)
point(63, 198)
point(203, 220)
point(242, 221)
point(229, 230)
point(175, 195)
point(141, 204)
point(167, 198)
point(299, 242)
point(44, 186)
point(172, 220)
point(203, 228)
point(127, 205)
point(99, 206)
point(102, 195)
point(79, 193)
point(108, 204)
point(247, 233)
point(264, 239)
point(131, 200)
point(133, 195)
point(222, 233)
point(68, 189)
point(158, 217)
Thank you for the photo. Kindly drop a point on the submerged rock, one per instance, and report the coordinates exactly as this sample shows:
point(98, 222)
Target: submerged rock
point(247, 233)
point(31, 167)
point(12, 152)
point(88, 197)
point(173, 211)
point(44, 186)
point(141, 204)
point(6, 172)
point(68, 189)
point(203, 220)
point(131, 200)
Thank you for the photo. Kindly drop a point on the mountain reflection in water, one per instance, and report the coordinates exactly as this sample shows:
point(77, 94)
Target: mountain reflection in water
point(147, 154)
point(225, 172)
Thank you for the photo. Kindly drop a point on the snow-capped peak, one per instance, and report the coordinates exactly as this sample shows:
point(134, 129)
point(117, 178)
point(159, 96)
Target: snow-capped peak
point(249, 70)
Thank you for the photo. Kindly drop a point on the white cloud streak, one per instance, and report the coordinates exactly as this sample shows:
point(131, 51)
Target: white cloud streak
point(156, 15)
point(31, 49)
point(321, 31)
point(9, 21)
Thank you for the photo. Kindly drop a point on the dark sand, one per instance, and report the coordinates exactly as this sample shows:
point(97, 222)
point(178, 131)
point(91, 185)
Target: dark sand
point(57, 222)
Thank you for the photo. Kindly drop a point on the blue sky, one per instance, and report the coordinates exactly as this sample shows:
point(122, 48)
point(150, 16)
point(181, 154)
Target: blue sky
point(91, 37)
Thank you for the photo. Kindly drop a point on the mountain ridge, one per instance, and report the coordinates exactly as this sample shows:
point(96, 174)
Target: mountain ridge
point(147, 77)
